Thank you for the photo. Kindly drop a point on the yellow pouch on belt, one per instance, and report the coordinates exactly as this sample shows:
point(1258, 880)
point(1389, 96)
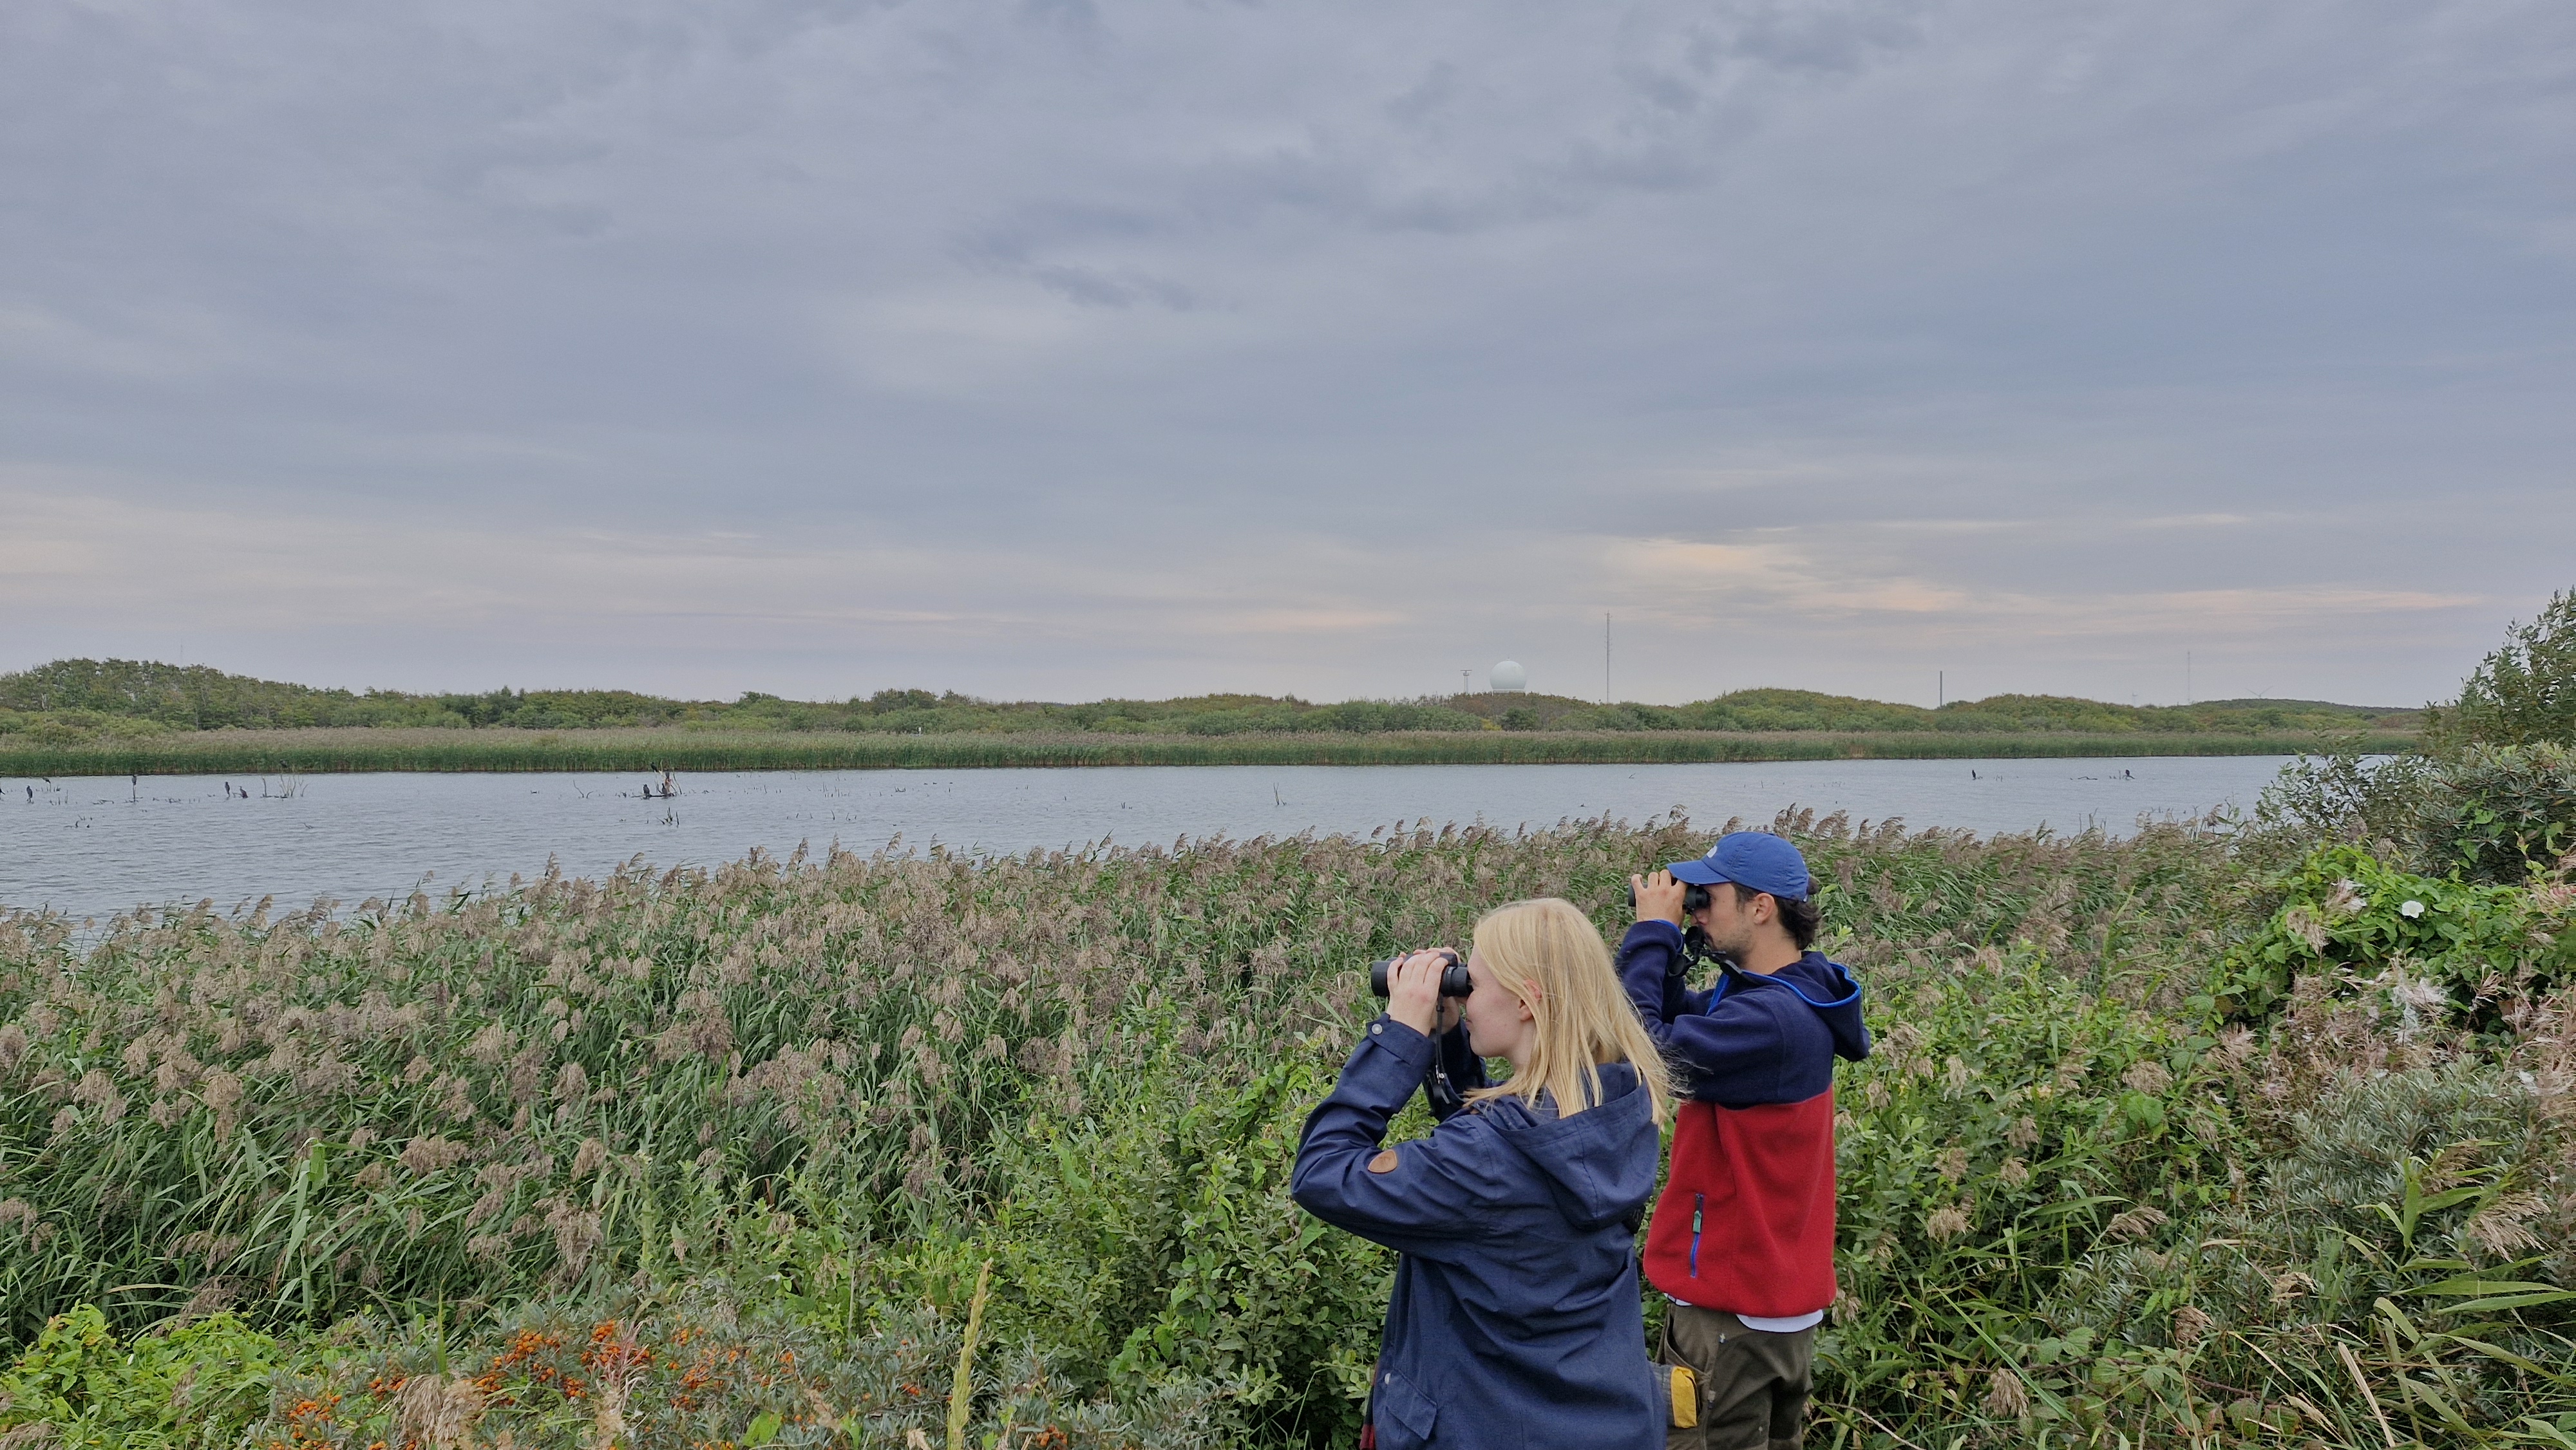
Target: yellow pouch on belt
point(1685, 1398)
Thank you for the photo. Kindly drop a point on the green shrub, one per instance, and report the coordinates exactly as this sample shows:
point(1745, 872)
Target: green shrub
point(1150, 1242)
point(2499, 813)
point(2012, 1128)
point(2426, 941)
point(2492, 813)
point(2340, 796)
point(2523, 693)
point(2413, 1217)
point(2375, 1141)
point(197, 1385)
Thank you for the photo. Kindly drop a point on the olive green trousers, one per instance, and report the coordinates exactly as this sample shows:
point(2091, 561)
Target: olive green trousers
point(1753, 1386)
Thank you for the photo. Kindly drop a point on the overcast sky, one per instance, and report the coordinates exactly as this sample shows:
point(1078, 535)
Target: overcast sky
point(1072, 348)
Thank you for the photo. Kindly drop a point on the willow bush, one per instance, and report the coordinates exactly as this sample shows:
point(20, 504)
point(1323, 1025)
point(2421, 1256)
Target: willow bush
point(795, 1107)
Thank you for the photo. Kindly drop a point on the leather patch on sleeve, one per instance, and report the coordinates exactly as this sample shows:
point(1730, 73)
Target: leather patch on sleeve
point(1384, 1162)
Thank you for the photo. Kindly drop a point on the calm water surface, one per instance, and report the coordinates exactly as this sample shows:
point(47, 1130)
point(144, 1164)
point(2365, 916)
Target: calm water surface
point(94, 847)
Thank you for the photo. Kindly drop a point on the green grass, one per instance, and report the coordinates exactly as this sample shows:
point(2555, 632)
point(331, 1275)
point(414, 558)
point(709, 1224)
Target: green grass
point(2080, 1206)
point(318, 751)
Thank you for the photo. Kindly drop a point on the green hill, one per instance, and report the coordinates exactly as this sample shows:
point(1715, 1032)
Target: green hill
point(71, 701)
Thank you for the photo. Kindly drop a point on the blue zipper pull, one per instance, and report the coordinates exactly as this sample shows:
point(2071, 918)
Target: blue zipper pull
point(1699, 1209)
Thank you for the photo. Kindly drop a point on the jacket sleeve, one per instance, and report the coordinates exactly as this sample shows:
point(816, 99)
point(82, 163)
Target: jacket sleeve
point(1724, 1046)
point(1430, 1200)
point(1456, 1072)
point(1656, 976)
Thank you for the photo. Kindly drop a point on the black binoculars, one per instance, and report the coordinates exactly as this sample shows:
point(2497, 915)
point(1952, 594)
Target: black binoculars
point(1453, 977)
point(1694, 898)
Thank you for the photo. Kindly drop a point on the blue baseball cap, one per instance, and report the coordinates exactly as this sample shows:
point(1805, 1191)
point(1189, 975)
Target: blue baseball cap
point(1754, 860)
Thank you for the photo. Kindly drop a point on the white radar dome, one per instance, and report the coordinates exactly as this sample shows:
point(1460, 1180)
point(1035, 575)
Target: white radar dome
point(1510, 676)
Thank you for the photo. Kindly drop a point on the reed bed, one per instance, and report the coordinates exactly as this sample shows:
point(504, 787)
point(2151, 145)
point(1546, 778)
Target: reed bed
point(320, 751)
point(445, 1150)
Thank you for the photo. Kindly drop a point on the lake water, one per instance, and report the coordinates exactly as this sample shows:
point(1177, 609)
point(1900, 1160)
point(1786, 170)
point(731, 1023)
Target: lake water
point(95, 847)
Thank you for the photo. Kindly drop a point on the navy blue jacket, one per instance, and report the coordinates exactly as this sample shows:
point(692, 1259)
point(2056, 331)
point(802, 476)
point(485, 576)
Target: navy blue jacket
point(1516, 1319)
point(1749, 1039)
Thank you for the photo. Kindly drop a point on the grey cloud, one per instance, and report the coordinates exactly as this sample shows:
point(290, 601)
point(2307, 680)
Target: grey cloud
point(1079, 19)
point(1428, 98)
point(1832, 39)
point(1950, 303)
point(1118, 290)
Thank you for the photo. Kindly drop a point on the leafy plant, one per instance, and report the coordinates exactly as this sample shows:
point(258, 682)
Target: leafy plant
point(196, 1385)
point(2014, 1132)
point(2426, 941)
point(2523, 692)
point(2500, 813)
point(2340, 796)
point(1162, 1242)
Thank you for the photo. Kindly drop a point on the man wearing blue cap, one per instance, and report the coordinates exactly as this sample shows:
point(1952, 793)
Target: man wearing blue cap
point(1743, 1237)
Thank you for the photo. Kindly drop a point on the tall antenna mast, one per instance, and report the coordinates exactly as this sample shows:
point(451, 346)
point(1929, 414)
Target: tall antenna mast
point(1605, 657)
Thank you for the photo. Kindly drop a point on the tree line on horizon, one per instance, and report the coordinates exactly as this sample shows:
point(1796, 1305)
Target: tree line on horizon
point(137, 697)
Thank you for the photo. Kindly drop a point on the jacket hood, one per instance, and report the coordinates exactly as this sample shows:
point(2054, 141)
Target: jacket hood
point(1829, 988)
point(1600, 1163)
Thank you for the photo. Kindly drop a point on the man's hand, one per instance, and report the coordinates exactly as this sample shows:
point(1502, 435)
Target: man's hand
point(1659, 897)
point(1413, 990)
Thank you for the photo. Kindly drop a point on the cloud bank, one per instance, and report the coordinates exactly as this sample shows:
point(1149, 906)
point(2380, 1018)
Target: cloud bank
point(1072, 349)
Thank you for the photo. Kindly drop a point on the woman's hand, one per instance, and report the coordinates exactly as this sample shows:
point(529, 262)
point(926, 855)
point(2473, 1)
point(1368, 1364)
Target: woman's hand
point(1413, 990)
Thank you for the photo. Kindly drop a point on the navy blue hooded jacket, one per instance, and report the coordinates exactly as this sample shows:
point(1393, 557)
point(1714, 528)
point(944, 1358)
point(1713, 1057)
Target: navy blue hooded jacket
point(1749, 1039)
point(1516, 1319)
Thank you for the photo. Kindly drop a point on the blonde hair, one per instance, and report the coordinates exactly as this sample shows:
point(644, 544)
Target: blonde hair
point(1548, 954)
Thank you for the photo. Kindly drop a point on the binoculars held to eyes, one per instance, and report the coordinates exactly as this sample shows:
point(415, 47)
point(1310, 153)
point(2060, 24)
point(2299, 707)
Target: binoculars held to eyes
point(1694, 898)
point(1453, 977)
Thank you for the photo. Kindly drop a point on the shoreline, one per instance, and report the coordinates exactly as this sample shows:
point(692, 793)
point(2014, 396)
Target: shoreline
point(352, 750)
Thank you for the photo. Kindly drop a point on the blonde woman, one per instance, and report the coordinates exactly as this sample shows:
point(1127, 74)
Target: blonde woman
point(1516, 1317)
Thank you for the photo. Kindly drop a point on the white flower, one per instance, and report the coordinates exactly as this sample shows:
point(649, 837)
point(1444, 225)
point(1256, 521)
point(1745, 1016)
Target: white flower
point(2411, 908)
